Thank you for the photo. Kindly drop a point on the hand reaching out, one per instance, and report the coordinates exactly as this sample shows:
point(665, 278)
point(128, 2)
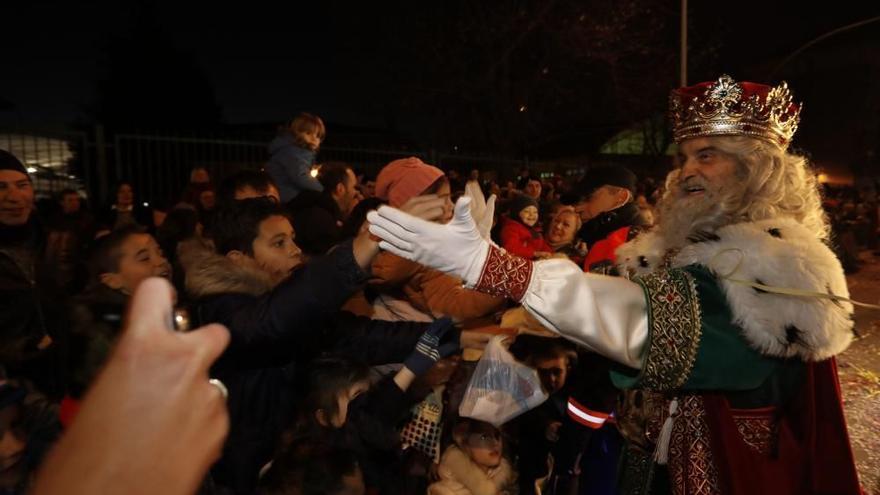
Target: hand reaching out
point(456, 248)
point(483, 211)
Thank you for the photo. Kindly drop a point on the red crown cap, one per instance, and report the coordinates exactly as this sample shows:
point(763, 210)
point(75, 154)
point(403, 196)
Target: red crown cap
point(729, 108)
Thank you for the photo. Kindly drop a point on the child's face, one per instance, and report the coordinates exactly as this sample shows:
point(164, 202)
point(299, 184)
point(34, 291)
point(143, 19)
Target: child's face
point(344, 399)
point(529, 215)
point(140, 258)
point(553, 373)
point(485, 448)
point(448, 207)
point(275, 252)
point(312, 139)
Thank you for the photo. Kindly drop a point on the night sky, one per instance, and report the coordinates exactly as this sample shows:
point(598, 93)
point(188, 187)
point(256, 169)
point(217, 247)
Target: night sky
point(347, 61)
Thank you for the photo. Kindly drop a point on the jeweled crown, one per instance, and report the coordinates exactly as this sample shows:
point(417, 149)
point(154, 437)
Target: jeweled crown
point(726, 107)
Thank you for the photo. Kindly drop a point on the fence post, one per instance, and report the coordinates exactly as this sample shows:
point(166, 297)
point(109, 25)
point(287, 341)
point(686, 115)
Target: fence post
point(101, 162)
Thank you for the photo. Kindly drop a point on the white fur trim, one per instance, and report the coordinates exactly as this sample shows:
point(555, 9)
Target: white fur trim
point(642, 255)
point(779, 253)
point(459, 475)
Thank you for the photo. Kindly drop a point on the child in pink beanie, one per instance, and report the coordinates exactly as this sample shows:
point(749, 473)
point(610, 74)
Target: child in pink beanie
point(406, 178)
point(431, 294)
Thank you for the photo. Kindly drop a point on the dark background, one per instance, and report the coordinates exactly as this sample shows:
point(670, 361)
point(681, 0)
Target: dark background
point(540, 78)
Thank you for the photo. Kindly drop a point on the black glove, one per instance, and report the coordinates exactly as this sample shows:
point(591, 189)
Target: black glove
point(440, 340)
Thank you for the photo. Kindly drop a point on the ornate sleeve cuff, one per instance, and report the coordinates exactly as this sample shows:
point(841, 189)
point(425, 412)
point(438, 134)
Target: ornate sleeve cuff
point(675, 324)
point(504, 274)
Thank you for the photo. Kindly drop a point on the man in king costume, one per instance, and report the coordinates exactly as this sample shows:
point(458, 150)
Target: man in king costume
point(727, 328)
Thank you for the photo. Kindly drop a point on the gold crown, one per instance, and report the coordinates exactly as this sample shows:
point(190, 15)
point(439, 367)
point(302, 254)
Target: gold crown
point(726, 107)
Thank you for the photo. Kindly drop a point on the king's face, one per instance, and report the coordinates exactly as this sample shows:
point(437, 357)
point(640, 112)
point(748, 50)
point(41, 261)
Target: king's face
point(703, 167)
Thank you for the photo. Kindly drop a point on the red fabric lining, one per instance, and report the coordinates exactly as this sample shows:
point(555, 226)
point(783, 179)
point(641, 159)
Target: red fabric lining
point(812, 453)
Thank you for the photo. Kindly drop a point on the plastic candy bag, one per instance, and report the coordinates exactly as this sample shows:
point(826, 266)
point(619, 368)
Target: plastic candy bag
point(501, 388)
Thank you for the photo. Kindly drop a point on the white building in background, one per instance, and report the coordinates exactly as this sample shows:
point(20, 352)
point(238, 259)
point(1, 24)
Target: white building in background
point(47, 160)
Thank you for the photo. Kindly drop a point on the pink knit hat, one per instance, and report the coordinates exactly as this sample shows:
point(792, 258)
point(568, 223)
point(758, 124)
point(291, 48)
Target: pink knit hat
point(403, 179)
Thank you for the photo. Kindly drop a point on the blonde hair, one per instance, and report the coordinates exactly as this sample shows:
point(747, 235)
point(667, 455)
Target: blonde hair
point(567, 210)
point(773, 183)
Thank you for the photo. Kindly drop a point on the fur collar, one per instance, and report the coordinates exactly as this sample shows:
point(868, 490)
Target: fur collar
point(459, 475)
point(779, 253)
point(210, 274)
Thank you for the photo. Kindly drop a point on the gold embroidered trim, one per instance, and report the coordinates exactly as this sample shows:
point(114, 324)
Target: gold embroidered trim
point(692, 468)
point(675, 324)
point(758, 432)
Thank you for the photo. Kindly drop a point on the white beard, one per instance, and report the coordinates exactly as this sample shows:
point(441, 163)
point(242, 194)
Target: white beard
point(683, 216)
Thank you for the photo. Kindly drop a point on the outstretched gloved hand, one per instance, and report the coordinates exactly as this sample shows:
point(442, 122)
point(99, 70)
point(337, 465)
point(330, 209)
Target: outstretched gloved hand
point(482, 211)
point(457, 248)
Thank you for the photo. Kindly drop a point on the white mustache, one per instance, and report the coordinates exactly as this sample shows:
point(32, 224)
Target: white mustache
point(691, 182)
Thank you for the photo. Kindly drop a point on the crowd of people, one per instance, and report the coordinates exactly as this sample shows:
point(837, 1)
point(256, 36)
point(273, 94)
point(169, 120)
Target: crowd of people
point(349, 349)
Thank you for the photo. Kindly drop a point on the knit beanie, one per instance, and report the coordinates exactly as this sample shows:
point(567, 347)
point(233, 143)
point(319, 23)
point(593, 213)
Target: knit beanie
point(8, 161)
point(520, 203)
point(403, 179)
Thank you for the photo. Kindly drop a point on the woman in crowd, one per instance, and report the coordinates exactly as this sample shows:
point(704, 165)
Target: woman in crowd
point(126, 211)
point(562, 235)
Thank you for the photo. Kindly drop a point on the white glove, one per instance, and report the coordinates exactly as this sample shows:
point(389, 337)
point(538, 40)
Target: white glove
point(482, 211)
point(456, 248)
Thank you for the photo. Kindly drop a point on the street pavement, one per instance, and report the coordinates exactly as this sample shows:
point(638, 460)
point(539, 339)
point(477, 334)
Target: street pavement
point(859, 369)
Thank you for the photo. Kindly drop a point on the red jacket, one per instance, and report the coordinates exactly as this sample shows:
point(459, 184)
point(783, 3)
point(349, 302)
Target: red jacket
point(517, 239)
point(603, 252)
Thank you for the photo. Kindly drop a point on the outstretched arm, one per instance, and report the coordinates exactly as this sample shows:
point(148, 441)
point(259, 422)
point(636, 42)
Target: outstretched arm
point(607, 315)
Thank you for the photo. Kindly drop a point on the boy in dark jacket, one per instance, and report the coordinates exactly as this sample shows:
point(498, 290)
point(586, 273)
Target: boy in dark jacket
point(279, 312)
point(119, 262)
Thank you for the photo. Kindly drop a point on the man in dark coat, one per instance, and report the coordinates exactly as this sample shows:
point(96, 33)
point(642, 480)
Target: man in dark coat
point(34, 266)
point(318, 217)
point(610, 213)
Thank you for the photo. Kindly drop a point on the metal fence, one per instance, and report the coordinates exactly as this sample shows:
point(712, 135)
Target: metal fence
point(51, 157)
point(158, 165)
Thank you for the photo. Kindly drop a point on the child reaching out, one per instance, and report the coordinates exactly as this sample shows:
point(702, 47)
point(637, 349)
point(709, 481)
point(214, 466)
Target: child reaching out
point(343, 411)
